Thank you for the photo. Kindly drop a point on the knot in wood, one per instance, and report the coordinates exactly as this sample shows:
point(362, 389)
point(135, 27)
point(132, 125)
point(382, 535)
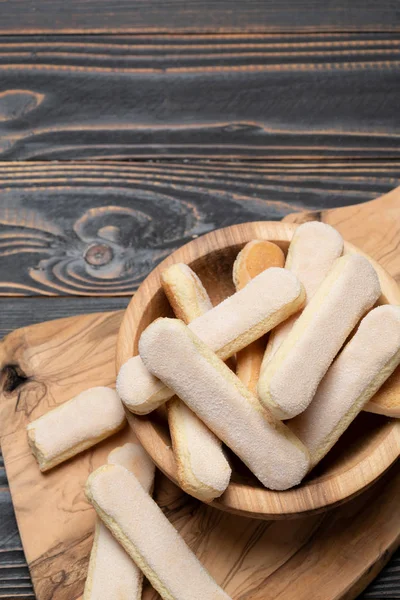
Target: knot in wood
point(98, 255)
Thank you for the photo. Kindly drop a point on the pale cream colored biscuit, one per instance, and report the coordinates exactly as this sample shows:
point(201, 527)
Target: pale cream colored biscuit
point(254, 258)
point(266, 301)
point(290, 380)
point(202, 468)
point(112, 574)
point(148, 537)
point(89, 418)
point(357, 373)
point(188, 366)
point(314, 248)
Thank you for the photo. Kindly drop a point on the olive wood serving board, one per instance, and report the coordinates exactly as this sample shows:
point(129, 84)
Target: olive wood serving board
point(330, 556)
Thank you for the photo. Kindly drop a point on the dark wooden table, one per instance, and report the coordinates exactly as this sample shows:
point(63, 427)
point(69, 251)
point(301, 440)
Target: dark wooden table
point(128, 128)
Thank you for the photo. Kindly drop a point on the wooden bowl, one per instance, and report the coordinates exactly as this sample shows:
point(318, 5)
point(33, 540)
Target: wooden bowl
point(364, 452)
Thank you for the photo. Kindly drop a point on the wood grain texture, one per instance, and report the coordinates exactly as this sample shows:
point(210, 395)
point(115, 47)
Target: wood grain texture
point(20, 312)
point(243, 555)
point(98, 229)
point(15, 580)
point(189, 15)
point(60, 533)
point(224, 96)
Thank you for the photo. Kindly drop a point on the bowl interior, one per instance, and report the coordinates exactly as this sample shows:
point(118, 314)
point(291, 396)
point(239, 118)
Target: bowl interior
point(363, 453)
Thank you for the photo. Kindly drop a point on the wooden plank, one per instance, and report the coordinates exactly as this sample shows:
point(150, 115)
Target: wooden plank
point(222, 96)
point(14, 574)
point(20, 312)
point(15, 581)
point(98, 229)
point(191, 15)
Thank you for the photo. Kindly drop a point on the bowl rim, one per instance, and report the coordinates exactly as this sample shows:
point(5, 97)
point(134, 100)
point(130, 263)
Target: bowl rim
point(257, 502)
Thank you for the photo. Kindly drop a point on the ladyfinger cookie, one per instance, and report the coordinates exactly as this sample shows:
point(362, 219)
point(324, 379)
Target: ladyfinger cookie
point(254, 258)
point(89, 418)
point(290, 380)
point(386, 401)
point(185, 292)
point(314, 248)
point(135, 459)
point(357, 373)
point(202, 468)
point(187, 365)
point(148, 537)
point(112, 574)
point(248, 365)
point(266, 301)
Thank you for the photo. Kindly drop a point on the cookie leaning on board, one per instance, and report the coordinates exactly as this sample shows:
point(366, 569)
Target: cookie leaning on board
point(112, 574)
point(140, 526)
point(202, 467)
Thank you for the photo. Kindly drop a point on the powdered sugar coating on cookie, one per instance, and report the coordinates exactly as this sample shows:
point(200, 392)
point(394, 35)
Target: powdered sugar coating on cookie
point(360, 369)
point(149, 538)
point(210, 389)
point(290, 380)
